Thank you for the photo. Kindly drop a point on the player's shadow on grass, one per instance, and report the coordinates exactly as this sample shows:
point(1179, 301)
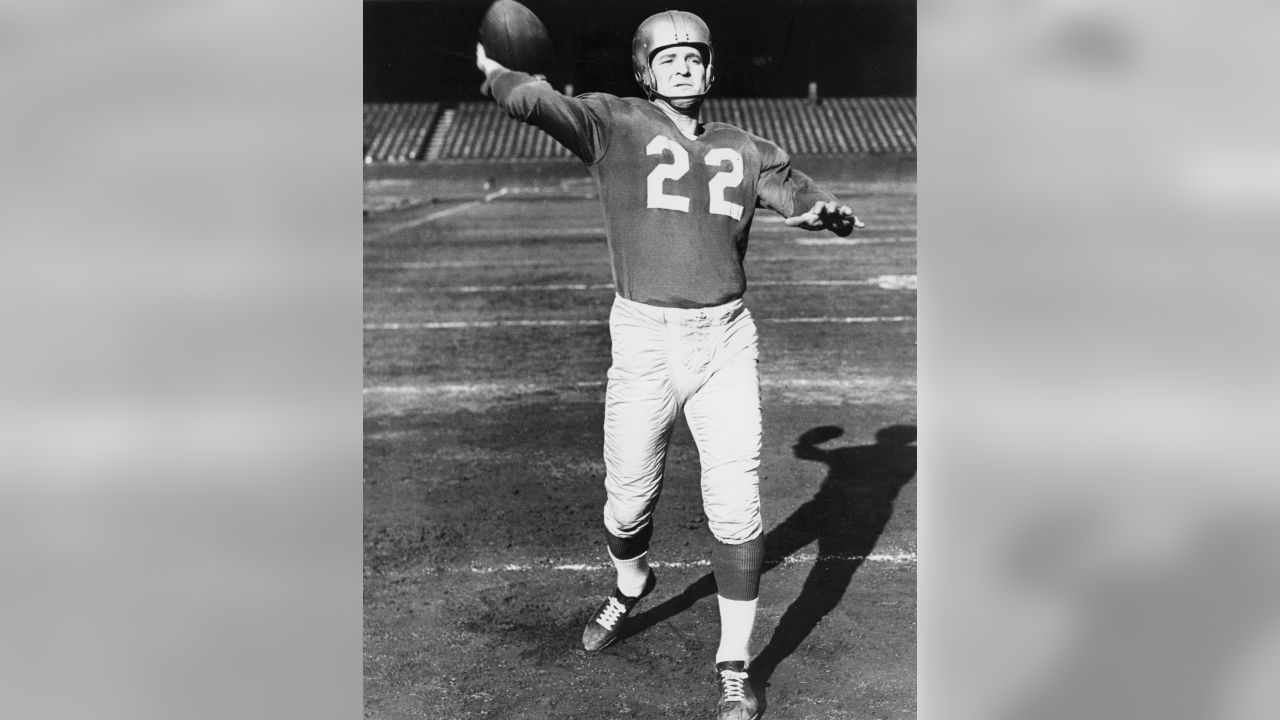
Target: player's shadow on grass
point(845, 518)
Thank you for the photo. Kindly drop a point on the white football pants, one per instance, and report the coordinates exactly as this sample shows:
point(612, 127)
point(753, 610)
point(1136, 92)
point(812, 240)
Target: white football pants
point(701, 361)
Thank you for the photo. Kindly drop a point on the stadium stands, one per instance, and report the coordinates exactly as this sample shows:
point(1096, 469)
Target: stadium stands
point(482, 131)
point(404, 132)
point(397, 132)
point(833, 126)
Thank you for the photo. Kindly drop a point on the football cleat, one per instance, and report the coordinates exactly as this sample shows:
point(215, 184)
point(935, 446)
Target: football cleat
point(737, 699)
point(606, 622)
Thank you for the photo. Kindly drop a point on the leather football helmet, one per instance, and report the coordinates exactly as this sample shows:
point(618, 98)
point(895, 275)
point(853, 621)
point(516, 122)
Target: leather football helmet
point(671, 27)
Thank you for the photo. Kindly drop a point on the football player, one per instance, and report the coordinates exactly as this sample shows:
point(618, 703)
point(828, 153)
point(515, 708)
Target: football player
point(679, 196)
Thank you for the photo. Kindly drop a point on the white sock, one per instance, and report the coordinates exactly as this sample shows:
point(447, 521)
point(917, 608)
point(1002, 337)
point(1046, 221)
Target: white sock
point(737, 620)
point(632, 573)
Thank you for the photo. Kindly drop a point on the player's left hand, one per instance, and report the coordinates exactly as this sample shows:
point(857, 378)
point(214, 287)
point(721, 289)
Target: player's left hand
point(839, 219)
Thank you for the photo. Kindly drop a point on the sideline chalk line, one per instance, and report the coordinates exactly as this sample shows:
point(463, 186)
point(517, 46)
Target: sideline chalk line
point(884, 282)
point(594, 262)
point(898, 558)
point(516, 388)
point(485, 324)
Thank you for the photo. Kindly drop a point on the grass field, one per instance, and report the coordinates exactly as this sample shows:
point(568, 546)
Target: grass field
point(485, 356)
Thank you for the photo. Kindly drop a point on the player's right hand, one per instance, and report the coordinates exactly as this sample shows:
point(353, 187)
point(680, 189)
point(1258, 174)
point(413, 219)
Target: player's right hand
point(487, 66)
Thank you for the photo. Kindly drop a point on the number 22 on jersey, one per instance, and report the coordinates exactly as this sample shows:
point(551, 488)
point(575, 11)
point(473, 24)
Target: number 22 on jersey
point(679, 165)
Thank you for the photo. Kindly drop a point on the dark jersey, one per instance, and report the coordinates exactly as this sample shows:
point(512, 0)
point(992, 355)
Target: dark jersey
point(677, 211)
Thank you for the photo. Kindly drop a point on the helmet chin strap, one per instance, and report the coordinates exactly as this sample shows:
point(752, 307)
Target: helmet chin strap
point(688, 105)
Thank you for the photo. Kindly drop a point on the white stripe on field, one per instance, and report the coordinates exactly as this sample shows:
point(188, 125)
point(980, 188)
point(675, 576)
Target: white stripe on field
point(849, 240)
point(476, 388)
point(477, 324)
point(600, 261)
point(483, 324)
point(452, 264)
point(516, 388)
point(510, 233)
point(887, 282)
point(440, 213)
point(840, 320)
point(519, 288)
point(900, 558)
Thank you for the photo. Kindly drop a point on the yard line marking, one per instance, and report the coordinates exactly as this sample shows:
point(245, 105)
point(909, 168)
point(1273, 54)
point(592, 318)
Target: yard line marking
point(841, 320)
point(897, 558)
point(600, 261)
point(491, 387)
point(440, 213)
point(849, 241)
point(887, 282)
point(485, 324)
point(515, 388)
point(454, 264)
point(830, 241)
point(509, 233)
point(517, 288)
point(476, 324)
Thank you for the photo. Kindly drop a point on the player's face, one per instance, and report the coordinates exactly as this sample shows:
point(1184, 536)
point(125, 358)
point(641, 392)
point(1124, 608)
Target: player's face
point(680, 71)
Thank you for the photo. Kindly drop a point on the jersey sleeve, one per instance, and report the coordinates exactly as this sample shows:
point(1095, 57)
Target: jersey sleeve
point(783, 189)
point(580, 124)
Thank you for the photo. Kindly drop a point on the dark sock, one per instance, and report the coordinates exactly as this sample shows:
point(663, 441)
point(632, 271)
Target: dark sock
point(737, 568)
point(629, 547)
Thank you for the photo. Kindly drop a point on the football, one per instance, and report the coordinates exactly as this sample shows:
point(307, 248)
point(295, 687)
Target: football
point(512, 35)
